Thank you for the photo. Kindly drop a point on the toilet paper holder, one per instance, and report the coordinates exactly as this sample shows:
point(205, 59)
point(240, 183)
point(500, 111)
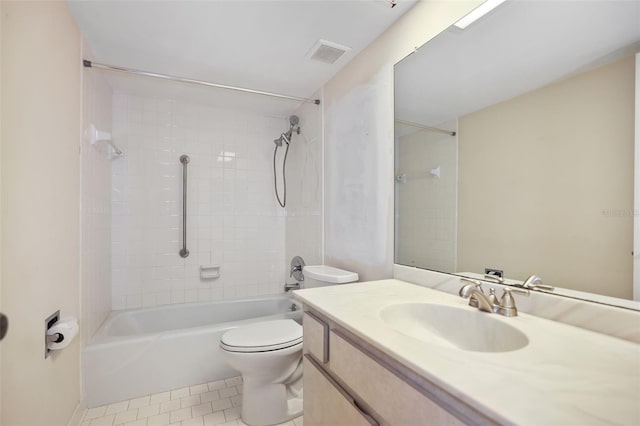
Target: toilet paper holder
point(59, 332)
point(55, 338)
point(48, 323)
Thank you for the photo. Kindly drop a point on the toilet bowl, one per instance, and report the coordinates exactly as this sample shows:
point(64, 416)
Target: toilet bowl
point(268, 355)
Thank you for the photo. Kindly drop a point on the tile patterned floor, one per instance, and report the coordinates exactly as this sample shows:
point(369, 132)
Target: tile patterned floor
point(207, 404)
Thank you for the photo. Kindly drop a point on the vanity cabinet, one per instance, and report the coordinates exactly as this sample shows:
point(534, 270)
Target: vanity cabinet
point(326, 402)
point(348, 382)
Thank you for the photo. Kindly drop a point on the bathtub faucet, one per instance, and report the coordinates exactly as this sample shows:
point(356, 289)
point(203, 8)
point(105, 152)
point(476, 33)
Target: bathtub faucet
point(296, 270)
point(288, 287)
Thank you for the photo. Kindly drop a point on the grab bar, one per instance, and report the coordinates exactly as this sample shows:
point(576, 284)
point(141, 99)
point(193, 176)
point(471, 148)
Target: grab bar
point(184, 159)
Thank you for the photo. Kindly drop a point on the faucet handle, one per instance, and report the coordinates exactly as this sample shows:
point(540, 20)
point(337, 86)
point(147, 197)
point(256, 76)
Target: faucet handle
point(296, 268)
point(494, 278)
point(492, 297)
point(508, 304)
point(522, 291)
point(541, 287)
point(534, 282)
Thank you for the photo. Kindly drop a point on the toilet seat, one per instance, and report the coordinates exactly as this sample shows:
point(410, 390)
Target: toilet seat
point(263, 336)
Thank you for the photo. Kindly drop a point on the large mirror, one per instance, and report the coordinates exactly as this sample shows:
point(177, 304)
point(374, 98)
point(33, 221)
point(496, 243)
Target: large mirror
point(514, 147)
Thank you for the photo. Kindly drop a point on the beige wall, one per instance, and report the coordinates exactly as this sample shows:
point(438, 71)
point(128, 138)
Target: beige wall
point(40, 208)
point(538, 174)
point(358, 131)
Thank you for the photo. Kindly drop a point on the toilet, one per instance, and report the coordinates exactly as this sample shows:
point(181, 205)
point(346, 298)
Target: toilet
point(323, 275)
point(268, 355)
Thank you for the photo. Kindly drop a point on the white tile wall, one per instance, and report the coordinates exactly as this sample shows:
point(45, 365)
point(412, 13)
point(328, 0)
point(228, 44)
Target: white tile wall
point(426, 204)
point(304, 188)
point(96, 206)
point(233, 218)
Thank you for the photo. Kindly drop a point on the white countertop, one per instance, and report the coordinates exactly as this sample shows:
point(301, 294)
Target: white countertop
point(564, 376)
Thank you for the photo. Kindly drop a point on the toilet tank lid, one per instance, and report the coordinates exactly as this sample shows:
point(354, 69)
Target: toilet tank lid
point(329, 274)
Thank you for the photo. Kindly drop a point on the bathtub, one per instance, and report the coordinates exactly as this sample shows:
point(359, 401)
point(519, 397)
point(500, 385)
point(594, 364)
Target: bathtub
point(146, 351)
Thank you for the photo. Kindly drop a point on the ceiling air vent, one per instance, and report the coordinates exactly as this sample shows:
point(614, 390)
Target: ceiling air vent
point(327, 52)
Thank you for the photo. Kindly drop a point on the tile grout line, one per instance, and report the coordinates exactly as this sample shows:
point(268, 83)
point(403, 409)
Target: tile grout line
point(186, 408)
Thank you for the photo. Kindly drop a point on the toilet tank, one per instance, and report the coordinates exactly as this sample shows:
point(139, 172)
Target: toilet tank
point(323, 275)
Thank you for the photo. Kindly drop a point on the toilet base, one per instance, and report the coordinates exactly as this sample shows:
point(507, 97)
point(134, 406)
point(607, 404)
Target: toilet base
point(270, 403)
point(272, 379)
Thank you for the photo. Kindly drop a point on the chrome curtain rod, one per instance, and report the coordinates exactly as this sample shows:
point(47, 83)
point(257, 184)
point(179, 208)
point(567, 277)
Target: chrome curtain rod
point(91, 64)
point(433, 129)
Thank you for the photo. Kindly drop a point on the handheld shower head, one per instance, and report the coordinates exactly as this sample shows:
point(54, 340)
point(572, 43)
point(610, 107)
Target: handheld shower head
point(285, 137)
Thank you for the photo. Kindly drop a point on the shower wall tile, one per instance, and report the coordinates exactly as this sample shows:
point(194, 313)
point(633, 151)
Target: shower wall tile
point(233, 219)
point(95, 205)
point(304, 189)
point(427, 205)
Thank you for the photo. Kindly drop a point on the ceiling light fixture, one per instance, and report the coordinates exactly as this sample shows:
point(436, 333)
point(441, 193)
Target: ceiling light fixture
point(478, 13)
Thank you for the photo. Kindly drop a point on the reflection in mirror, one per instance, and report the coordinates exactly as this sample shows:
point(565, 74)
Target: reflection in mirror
point(515, 147)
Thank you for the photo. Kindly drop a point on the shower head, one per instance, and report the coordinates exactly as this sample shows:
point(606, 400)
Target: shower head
point(293, 127)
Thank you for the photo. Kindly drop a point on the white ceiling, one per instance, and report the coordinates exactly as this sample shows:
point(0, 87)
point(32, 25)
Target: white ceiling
point(520, 46)
point(258, 44)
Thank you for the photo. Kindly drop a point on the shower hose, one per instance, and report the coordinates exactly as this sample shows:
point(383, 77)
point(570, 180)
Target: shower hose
point(282, 202)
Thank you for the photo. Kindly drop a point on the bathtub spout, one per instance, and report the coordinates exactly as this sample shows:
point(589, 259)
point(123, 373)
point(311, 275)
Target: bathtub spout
point(288, 287)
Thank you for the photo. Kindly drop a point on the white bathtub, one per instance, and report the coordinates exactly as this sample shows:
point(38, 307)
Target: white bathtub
point(145, 351)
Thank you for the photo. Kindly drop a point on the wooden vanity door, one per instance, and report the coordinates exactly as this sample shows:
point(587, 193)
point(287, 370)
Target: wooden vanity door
point(326, 403)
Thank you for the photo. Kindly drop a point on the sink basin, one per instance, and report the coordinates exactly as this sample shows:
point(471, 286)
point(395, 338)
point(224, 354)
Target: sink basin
point(466, 329)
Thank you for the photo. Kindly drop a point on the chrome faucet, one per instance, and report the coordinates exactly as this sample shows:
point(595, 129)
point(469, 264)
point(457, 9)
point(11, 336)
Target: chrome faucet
point(295, 269)
point(473, 291)
point(534, 282)
point(289, 287)
point(478, 299)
